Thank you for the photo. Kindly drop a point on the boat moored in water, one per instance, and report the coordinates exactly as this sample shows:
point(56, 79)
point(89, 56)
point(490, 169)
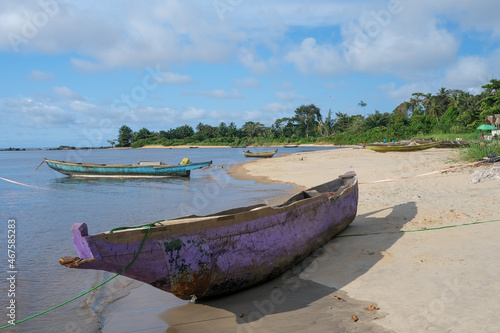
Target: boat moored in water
point(139, 170)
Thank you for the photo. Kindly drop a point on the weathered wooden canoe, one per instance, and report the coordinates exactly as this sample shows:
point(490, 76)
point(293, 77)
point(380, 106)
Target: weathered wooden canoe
point(269, 153)
point(401, 147)
point(453, 144)
point(139, 170)
point(224, 252)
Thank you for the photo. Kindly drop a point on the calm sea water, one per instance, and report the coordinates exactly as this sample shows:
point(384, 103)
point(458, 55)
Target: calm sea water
point(44, 219)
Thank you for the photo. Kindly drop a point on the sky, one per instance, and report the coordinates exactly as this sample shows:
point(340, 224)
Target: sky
point(73, 72)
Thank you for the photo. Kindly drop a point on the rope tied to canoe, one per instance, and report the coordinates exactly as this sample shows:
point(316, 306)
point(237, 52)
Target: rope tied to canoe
point(428, 173)
point(417, 230)
point(148, 226)
point(18, 183)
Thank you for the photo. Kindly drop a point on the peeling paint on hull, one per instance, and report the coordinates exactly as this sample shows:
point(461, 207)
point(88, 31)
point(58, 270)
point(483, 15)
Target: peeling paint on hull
point(224, 252)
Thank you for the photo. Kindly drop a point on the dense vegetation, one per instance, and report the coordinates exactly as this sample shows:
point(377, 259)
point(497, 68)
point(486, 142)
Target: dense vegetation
point(449, 113)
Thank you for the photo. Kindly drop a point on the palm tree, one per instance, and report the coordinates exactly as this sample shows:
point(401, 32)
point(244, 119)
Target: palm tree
point(363, 105)
point(252, 129)
point(433, 109)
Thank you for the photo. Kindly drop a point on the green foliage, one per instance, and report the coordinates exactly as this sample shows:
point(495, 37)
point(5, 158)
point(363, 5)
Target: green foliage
point(307, 117)
point(480, 150)
point(124, 136)
point(450, 113)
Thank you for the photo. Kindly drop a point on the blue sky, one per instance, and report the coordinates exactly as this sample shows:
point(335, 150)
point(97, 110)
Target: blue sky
point(73, 72)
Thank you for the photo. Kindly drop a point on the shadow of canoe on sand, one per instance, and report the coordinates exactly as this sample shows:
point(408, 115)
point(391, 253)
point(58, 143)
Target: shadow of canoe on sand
point(308, 297)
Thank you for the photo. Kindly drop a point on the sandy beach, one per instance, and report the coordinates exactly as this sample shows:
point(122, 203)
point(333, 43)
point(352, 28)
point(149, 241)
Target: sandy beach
point(395, 256)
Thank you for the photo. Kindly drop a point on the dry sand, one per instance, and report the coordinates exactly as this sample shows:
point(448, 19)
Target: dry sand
point(444, 280)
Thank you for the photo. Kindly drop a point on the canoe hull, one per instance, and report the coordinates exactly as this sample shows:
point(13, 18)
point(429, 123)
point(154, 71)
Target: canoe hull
point(453, 144)
point(124, 171)
point(262, 154)
point(395, 147)
point(227, 252)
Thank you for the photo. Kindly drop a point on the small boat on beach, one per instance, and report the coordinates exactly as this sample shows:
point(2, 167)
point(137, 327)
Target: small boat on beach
point(401, 146)
point(453, 144)
point(264, 154)
point(140, 170)
point(221, 253)
point(290, 146)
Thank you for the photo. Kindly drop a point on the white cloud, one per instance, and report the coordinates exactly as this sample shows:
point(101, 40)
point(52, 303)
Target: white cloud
point(37, 75)
point(192, 113)
point(27, 112)
point(249, 58)
point(311, 58)
point(247, 83)
point(220, 94)
point(277, 107)
point(289, 96)
point(152, 116)
point(397, 54)
point(468, 73)
point(85, 65)
point(173, 78)
point(65, 92)
point(86, 108)
point(403, 92)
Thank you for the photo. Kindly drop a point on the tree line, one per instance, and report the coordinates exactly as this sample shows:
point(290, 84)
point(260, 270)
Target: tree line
point(448, 111)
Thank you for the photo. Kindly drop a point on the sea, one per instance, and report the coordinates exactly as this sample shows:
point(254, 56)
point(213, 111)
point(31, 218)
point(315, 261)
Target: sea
point(38, 206)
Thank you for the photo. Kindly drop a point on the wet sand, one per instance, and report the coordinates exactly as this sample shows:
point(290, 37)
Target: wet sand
point(430, 280)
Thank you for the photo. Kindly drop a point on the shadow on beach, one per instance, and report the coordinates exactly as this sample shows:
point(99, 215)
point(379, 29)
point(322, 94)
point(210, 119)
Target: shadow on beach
point(307, 296)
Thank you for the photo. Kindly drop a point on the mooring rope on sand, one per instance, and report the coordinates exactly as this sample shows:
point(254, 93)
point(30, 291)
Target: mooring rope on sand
point(417, 230)
point(94, 288)
point(425, 174)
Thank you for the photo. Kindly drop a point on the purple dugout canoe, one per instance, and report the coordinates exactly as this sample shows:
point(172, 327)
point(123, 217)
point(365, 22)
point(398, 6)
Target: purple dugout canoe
point(221, 253)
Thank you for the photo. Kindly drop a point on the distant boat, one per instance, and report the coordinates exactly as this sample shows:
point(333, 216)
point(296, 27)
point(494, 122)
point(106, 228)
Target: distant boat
point(397, 146)
point(453, 144)
point(269, 153)
point(238, 146)
point(290, 146)
point(221, 253)
point(193, 146)
point(139, 170)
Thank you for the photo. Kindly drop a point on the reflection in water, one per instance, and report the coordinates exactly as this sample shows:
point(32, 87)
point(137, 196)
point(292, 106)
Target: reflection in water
point(118, 181)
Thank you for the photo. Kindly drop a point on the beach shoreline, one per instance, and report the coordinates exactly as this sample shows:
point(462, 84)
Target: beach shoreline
point(419, 259)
